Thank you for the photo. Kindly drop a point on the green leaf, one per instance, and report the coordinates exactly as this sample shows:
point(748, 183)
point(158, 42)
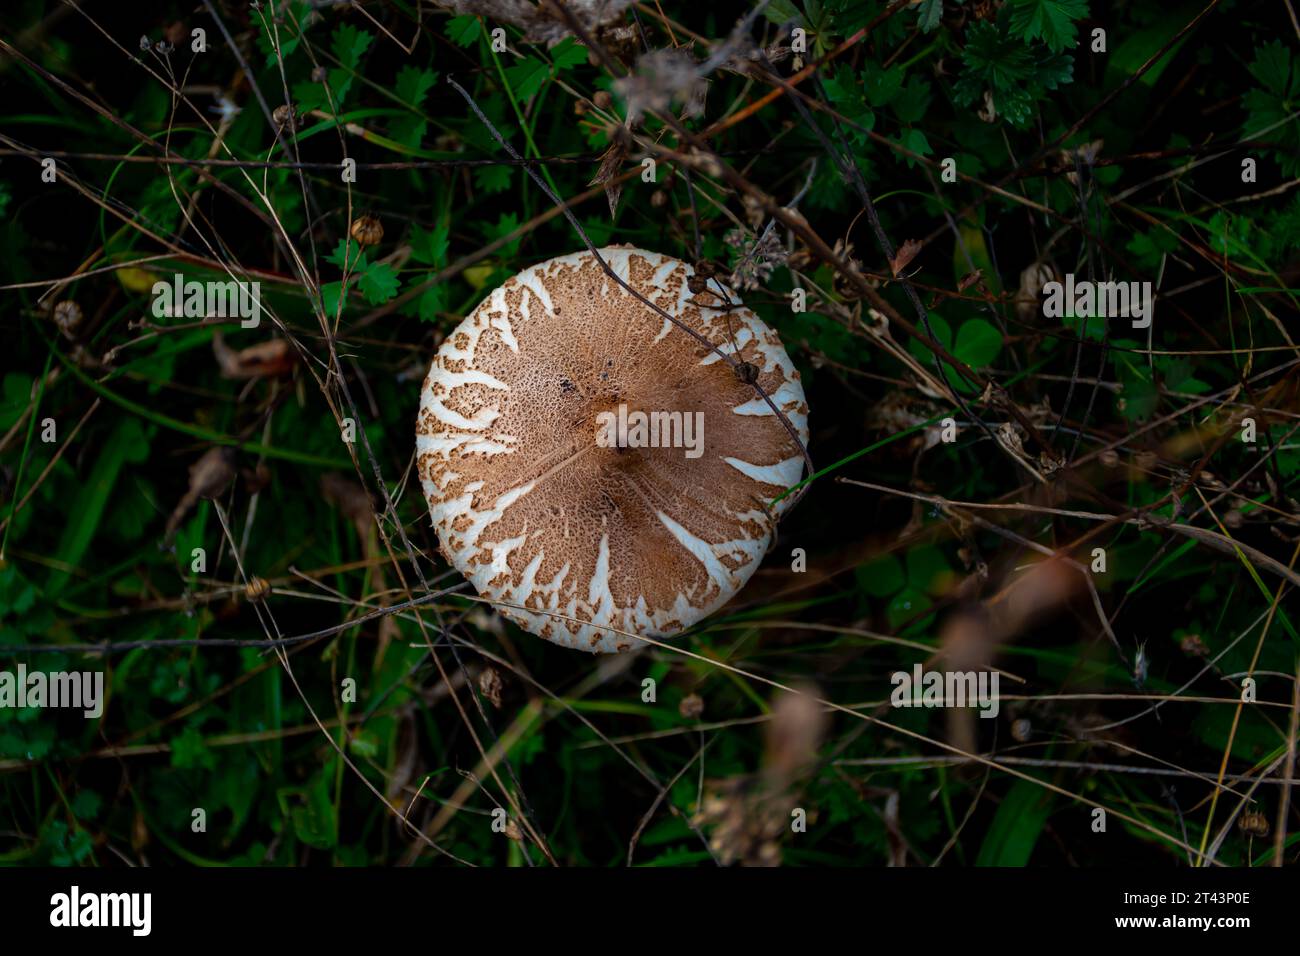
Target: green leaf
point(1051, 21)
point(1272, 67)
point(909, 603)
point(347, 255)
point(1013, 74)
point(881, 85)
point(978, 343)
point(189, 750)
point(329, 294)
point(881, 577)
point(912, 101)
point(927, 569)
point(314, 819)
point(464, 30)
point(429, 246)
point(492, 179)
point(432, 301)
point(1138, 396)
point(527, 76)
point(413, 84)
point(408, 130)
point(349, 44)
point(1016, 826)
point(928, 15)
point(128, 443)
point(914, 141)
point(942, 334)
point(16, 399)
point(379, 283)
point(784, 11)
point(506, 224)
point(86, 804)
point(568, 53)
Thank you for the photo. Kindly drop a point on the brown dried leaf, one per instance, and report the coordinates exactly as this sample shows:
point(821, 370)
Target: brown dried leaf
point(906, 253)
point(271, 358)
point(610, 164)
point(969, 279)
point(209, 477)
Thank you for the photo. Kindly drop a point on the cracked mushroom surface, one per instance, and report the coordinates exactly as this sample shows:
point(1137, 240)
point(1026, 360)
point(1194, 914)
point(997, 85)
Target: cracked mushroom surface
point(535, 505)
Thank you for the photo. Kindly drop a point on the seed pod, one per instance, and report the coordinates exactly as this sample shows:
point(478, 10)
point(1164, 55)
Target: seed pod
point(67, 317)
point(257, 589)
point(490, 686)
point(319, 74)
point(658, 199)
point(602, 99)
point(1254, 823)
point(284, 117)
point(367, 231)
point(691, 707)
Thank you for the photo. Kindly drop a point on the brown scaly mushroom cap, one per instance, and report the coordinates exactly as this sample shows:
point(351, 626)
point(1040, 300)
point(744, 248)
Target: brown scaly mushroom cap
point(536, 512)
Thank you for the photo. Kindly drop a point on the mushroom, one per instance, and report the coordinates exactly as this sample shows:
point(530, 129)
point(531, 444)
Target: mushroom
point(592, 466)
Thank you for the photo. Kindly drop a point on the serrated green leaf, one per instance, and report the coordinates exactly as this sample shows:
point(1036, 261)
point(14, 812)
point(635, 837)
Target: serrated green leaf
point(928, 15)
point(1051, 21)
point(379, 283)
point(464, 30)
point(412, 85)
point(527, 76)
point(429, 246)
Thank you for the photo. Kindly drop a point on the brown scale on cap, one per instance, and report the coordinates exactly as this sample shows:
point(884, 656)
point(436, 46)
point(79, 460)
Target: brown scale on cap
point(536, 512)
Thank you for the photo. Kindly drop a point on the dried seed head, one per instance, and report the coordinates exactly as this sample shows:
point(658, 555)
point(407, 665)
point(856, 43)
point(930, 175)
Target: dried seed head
point(68, 316)
point(691, 707)
point(284, 117)
point(1021, 729)
point(1254, 823)
point(367, 231)
point(490, 686)
point(697, 283)
point(145, 43)
point(319, 74)
point(1108, 458)
point(602, 99)
point(747, 372)
point(658, 199)
point(257, 589)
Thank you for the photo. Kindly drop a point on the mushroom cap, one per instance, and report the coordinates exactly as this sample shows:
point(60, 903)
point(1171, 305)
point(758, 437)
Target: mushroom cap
point(543, 517)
